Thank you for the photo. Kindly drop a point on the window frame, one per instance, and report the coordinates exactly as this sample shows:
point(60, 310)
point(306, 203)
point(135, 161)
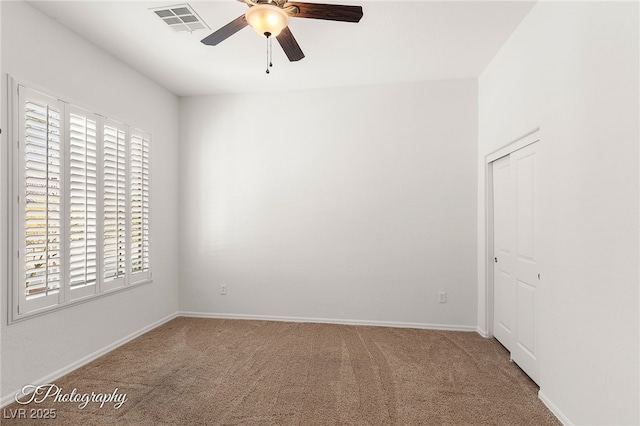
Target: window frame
point(20, 308)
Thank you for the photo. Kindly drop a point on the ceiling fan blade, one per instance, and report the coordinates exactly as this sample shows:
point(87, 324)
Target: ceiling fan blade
point(225, 32)
point(330, 12)
point(290, 45)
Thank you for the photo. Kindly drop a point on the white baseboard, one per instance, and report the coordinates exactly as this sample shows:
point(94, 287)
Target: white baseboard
point(554, 409)
point(8, 399)
point(427, 326)
point(482, 332)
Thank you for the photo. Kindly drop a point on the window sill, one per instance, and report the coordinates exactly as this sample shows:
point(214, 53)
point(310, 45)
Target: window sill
point(15, 318)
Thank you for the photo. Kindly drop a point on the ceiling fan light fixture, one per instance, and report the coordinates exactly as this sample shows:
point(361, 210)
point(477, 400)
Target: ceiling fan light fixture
point(266, 19)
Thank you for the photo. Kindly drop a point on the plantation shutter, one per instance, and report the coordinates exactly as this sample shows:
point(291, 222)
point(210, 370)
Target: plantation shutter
point(139, 205)
point(115, 199)
point(83, 197)
point(41, 158)
point(80, 197)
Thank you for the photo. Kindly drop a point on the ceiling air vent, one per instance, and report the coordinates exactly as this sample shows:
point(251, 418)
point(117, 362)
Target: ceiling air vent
point(180, 18)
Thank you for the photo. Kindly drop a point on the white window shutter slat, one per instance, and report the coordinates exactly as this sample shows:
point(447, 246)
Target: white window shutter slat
point(139, 202)
point(83, 238)
point(42, 191)
point(114, 207)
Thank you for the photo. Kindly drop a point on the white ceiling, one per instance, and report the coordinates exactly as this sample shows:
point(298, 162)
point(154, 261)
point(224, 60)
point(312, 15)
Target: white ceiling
point(396, 41)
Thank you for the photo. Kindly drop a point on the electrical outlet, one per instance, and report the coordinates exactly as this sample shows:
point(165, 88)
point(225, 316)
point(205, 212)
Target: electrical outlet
point(223, 289)
point(442, 297)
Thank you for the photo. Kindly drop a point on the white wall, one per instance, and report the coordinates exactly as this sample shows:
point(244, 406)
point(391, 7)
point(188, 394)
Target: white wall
point(340, 204)
point(39, 51)
point(572, 70)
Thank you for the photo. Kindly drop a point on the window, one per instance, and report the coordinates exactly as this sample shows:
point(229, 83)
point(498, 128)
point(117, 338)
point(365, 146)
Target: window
point(83, 203)
point(81, 218)
point(115, 205)
point(139, 203)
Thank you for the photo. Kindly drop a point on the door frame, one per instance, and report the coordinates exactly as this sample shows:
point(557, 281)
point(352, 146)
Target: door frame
point(527, 139)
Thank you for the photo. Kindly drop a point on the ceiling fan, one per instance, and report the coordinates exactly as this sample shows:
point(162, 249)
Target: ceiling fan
point(271, 17)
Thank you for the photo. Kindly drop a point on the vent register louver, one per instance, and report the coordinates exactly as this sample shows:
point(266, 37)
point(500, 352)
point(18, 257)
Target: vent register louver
point(181, 18)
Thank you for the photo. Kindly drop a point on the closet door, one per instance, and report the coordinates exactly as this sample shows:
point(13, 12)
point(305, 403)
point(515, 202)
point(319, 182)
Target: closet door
point(515, 256)
point(504, 289)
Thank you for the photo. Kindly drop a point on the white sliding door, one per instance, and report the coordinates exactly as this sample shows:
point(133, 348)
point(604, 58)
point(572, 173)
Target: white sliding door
point(515, 207)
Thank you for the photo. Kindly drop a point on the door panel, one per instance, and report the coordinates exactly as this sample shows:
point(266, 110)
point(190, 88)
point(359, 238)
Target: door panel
point(526, 317)
point(525, 352)
point(524, 184)
point(505, 314)
point(515, 248)
point(504, 288)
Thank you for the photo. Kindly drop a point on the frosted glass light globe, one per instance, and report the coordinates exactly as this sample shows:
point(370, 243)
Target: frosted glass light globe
point(266, 19)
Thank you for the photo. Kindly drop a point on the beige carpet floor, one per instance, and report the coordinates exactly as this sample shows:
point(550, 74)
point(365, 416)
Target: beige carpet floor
point(230, 372)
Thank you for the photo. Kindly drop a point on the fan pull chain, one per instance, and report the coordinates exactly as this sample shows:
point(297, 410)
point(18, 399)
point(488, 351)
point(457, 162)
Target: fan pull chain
point(269, 50)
